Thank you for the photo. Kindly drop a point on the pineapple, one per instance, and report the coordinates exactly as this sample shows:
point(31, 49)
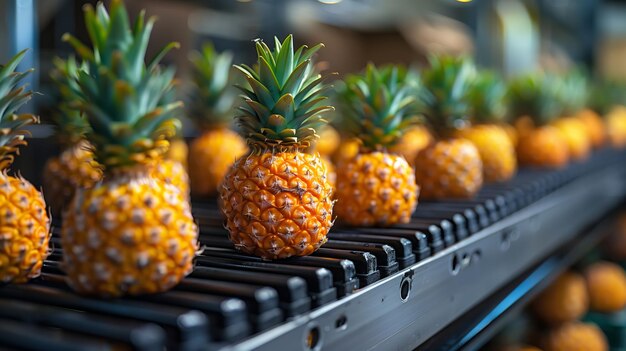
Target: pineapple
point(277, 199)
point(575, 336)
point(534, 100)
point(24, 222)
point(606, 283)
point(347, 150)
point(215, 150)
point(74, 167)
point(488, 109)
point(328, 142)
point(450, 167)
point(377, 187)
point(616, 126)
point(594, 125)
point(132, 233)
point(573, 95)
point(564, 301)
point(178, 151)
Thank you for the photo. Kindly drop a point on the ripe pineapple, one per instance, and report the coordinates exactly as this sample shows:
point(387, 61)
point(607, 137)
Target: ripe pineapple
point(606, 283)
point(377, 187)
point(74, 167)
point(564, 301)
point(534, 100)
point(450, 167)
point(214, 151)
point(575, 336)
point(328, 142)
point(616, 126)
point(132, 233)
point(492, 141)
point(347, 150)
point(277, 199)
point(24, 222)
point(594, 125)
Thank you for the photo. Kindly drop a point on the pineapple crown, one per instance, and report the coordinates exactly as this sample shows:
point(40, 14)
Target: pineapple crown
point(212, 98)
point(487, 98)
point(535, 95)
point(283, 104)
point(121, 96)
point(71, 125)
point(13, 97)
point(604, 95)
point(573, 92)
point(378, 105)
point(446, 93)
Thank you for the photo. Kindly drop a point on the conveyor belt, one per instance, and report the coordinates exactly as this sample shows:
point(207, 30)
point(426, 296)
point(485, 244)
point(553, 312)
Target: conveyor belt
point(365, 288)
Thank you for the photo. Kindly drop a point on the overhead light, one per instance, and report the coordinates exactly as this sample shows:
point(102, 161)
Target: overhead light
point(330, 2)
point(244, 0)
point(464, 0)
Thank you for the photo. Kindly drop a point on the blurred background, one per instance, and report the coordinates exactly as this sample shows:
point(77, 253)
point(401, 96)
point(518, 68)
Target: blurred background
point(511, 36)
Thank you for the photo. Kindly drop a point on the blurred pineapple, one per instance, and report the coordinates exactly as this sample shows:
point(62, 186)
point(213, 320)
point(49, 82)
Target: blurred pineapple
point(488, 109)
point(565, 300)
point(606, 283)
point(414, 140)
point(574, 336)
point(132, 233)
point(535, 104)
point(377, 186)
point(450, 167)
point(217, 147)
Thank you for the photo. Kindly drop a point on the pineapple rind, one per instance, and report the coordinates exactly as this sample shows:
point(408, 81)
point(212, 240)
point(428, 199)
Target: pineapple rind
point(210, 156)
point(575, 336)
point(130, 235)
point(565, 300)
point(277, 204)
point(449, 168)
point(606, 283)
point(376, 188)
point(24, 230)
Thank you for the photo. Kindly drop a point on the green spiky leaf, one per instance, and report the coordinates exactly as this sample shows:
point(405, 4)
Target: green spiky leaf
point(379, 105)
point(123, 98)
point(284, 102)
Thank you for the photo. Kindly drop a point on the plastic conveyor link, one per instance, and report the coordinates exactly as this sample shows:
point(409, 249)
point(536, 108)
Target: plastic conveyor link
point(402, 246)
point(466, 217)
point(292, 291)
point(227, 315)
point(482, 217)
point(385, 254)
point(364, 262)
point(319, 280)
point(423, 243)
point(185, 329)
point(343, 271)
point(126, 333)
point(262, 302)
point(512, 197)
point(25, 336)
point(423, 224)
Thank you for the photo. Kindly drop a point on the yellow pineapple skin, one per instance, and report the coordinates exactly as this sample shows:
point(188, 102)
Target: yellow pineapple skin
point(496, 151)
point(594, 126)
point(576, 136)
point(606, 283)
point(178, 152)
point(24, 230)
point(172, 172)
point(449, 168)
point(376, 189)
point(131, 234)
point(543, 147)
point(328, 142)
point(511, 132)
point(616, 126)
point(73, 168)
point(277, 204)
point(564, 301)
point(210, 157)
point(412, 142)
point(575, 336)
point(347, 150)
point(332, 171)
